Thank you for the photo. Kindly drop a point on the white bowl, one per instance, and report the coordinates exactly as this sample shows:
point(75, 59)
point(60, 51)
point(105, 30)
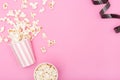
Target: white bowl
point(46, 63)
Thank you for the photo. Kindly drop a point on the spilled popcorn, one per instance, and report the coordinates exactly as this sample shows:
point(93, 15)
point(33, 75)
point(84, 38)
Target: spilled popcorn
point(43, 50)
point(46, 71)
point(51, 43)
point(22, 26)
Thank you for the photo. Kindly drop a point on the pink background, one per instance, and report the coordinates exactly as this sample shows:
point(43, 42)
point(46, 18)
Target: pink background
point(87, 47)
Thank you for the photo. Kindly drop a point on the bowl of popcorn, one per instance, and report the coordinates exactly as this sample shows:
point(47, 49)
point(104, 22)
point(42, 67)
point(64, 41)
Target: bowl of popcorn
point(45, 71)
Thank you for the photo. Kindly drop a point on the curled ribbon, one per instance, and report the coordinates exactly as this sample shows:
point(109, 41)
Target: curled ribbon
point(104, 9)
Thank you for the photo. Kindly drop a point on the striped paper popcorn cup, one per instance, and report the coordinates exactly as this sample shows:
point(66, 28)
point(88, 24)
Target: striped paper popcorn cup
point(23, 51)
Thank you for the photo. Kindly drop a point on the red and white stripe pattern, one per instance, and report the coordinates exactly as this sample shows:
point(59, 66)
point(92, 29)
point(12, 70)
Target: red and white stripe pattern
point(24, 52)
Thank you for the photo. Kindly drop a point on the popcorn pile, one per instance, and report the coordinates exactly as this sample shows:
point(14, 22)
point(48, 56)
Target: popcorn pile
point(22, 26)
point(46, 71)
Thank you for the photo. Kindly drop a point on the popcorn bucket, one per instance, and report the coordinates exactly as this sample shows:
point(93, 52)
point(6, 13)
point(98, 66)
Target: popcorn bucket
point(23, 51)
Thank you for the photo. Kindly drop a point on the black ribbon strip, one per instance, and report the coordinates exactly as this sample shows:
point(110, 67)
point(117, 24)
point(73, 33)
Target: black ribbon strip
point(104, 9)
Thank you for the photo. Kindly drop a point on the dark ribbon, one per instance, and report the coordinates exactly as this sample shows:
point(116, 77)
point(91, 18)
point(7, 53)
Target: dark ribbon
point(104, 9)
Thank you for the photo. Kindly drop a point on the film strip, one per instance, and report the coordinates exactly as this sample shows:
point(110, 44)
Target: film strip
point(104, 9)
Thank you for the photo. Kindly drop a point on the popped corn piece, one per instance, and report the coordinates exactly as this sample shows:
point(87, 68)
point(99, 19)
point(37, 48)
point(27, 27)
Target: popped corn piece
point(43, 50)
point(10, 21)
point(35, 22)
point(5, 5)
point(1, 19)
point(23, 6)
point(20, 37)
point(2, 29)
point(17, 12)
point(26, 20)
point(32, 29)
point(19, 30)
point(6, 39)
point(28, 25)
point(51, 42)
point(1, 39)
point(4, 19)
point(38, 29)
point(16, 19)
point(33, 15)
point(27, 36)
point(34, 5)
point(42, 10)
point(22, 15)
point(36, 33)
point(51, 4)
point(10, 13)
point(11, 31)
point(44, 36)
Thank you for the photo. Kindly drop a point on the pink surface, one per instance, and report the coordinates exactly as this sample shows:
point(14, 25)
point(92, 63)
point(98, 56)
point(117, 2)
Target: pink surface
point(87, 47)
